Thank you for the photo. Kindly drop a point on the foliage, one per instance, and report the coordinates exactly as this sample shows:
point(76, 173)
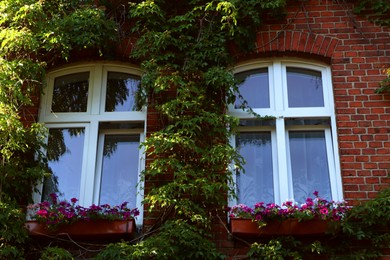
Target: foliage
point(376, 10)
point(316, 208)
point(370, 223)
point(56, 253)
point(284, 248)
point(56, 213)
point(33, 34)
point(183, 48)
point(385, 84)
point(12, 231)
point(176, 240)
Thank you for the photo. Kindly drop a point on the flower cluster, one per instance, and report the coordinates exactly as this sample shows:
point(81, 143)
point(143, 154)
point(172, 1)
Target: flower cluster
point(316, 208)
point(56, 213)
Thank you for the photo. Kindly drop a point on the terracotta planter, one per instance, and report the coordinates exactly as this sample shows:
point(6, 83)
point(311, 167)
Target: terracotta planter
point(308, 227)
point(246, 228)
point(85, 229)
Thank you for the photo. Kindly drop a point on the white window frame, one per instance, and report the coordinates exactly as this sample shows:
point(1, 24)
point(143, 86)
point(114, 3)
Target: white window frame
point(281, 112)
point(95, 114)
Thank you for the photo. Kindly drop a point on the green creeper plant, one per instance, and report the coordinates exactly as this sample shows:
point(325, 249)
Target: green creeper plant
point(183, 48)
point(56, 253)
point(33, 36)
point(176, 240)
point(376, 10)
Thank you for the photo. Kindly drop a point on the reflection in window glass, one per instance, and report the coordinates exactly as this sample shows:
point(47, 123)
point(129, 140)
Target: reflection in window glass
point(70, 93)
point(65, 156)
point(256, 184)
point(254, 89)
point(304, 88)
point(119, 170)
point(121, 91)
point(309, 164)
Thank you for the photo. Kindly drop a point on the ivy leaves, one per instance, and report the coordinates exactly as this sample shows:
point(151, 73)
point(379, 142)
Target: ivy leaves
point(183, 49)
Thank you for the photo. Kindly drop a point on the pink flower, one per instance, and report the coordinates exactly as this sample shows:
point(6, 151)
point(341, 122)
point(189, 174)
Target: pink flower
point(42, 213)
point(324, 211)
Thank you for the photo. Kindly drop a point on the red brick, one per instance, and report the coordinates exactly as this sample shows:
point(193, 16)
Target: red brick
point(372, 180)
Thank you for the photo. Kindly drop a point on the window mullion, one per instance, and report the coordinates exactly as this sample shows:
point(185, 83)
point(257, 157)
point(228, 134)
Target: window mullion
point(282, 171)
point(140, 184)
point(334, 176)
point(96, 83)
point(87, 178)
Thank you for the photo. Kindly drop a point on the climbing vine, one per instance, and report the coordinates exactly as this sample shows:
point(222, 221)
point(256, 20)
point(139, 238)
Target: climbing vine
point(184, 48)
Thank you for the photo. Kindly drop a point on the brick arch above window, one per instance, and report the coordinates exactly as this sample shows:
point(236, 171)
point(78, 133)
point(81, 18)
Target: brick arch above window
point(296, 41)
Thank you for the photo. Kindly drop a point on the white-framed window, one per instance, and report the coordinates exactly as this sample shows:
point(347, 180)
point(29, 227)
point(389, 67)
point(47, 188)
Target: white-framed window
point(295, 153)
point(95, 130)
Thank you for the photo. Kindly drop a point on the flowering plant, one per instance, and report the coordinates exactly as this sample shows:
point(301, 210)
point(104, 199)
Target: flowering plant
point(316, 208)
point(56, 213)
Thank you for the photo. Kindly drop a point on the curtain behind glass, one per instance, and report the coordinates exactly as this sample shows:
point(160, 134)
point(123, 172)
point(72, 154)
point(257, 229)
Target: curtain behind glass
point(309, 164)
point(256, 184)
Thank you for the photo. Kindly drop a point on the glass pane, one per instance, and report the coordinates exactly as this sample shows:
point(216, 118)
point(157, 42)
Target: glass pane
point(121, 91)
point(254, 89)
point(256, 184)
point(70, 93)
point(119, 170)
point(304, 88)
point(65, 156)
point(309, 164)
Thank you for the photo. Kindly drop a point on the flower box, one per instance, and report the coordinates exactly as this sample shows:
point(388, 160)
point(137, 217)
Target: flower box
point(84, 229)
point(308, 227)
point(246, 228)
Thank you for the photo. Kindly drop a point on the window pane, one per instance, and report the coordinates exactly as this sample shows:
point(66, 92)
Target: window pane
point(70, 93)
point(304, 88)
point(65, 156)
point(121, 91)
point(254, 89)
point(309, 164)
point(119, 169)
point(256, 184)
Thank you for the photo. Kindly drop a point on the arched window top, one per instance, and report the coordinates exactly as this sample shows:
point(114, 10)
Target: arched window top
point(283, 88)
point(98, 89)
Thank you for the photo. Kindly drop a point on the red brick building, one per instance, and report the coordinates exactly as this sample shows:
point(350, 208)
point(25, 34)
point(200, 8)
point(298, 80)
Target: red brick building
point(339, 130)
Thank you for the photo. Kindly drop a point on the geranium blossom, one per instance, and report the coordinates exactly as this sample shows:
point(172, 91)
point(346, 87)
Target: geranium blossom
point(63, 212)
point(316, 208)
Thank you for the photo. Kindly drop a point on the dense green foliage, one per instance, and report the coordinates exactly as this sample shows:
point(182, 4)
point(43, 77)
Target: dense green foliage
point(376, 10)
point(176, 240)
point(183, 48)
point(56, 253)
point(12, 232)
point(33, 35)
